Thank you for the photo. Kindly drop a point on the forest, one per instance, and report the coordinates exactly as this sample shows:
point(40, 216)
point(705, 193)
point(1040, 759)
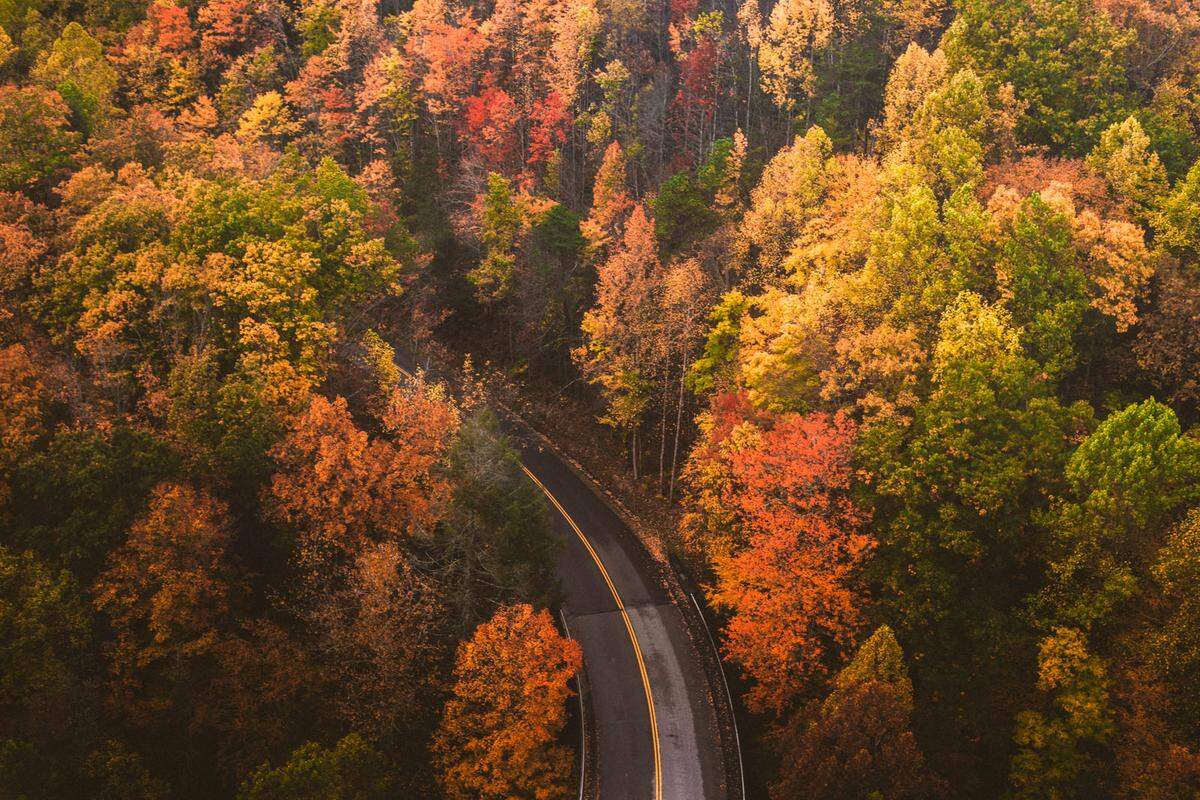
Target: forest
point(894, 304)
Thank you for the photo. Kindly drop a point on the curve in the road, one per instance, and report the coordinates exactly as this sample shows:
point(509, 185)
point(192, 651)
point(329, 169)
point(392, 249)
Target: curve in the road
point(684, 759)
point(633, 640)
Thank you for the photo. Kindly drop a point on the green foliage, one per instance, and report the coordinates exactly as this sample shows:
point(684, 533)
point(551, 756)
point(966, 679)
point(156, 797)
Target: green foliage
point(46, 631)
point(1063, 57)
point(958, 487)
point(1131, 168)
point(1126, 482)
point(350, 770)
point(318, 25)
point(496, 541)
point(1042, 285)
point(1178, 221)
point(1058, 749)
point(720, 346)
point(682, 211)
point(77, 69)
point(73, 502)
point(879, 659)
point(499, 227)
point(1173, 648)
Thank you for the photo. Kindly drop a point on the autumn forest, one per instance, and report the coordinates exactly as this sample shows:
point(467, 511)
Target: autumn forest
point(890, 307)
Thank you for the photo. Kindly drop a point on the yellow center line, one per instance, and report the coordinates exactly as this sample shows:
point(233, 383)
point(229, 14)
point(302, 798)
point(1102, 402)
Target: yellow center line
point(637, 650)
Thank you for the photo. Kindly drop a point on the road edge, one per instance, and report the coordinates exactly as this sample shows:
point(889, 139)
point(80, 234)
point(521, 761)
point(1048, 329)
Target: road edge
point(702, 643)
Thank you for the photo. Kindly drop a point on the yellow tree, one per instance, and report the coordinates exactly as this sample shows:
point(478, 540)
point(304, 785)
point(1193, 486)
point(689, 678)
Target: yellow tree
point(797, 30)
point(610, 203)
point(506, 710)
point(619, 329)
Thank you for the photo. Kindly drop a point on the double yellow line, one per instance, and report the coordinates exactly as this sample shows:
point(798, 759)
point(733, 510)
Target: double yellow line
point(637, 650)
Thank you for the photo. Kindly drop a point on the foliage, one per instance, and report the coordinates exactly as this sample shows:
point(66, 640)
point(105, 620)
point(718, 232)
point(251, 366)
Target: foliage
point(351, 768)
point(507, 707)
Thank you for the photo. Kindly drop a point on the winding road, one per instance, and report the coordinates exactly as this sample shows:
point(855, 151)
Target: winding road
point(656, 731)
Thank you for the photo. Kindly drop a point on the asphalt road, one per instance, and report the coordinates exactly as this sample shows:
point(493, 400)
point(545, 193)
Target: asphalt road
point(684, 725)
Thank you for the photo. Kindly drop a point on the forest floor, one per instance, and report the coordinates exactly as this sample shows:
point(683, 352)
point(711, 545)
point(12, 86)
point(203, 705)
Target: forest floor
point(571, 423)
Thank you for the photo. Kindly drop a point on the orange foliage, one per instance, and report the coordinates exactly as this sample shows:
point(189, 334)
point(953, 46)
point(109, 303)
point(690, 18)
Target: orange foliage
point(167, 590)
point(507, 707)
point(22, 401)
point(338, 487)
point(792, 589)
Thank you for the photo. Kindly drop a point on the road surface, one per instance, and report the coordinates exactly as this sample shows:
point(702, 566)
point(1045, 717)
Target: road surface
point(656, 730)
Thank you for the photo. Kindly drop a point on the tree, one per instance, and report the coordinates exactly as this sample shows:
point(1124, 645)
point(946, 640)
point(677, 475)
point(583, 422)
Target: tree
point(1133, 171)
point(610, 204)
point(44, 663)
point(859, 742)
point(76, 68)
point(790, 190)
point(1056, 747)
point(76, 498)
point(495, 541)
point(914, 76)
point(380, 646)
point(35, 144)
point(117, 773)
point(795, 34)
point(1173, 651)
point(268, 120)
point(957, 486)
point(1178, 214)
point(338, 487)
point(1168, 344)
point(792, 587)
point(506, 709)
point(618, 328)
point(23, 408)
point(501, 223)
point(167, 592)
point(1064, 59)
point(1127, 480)
point(350, 769)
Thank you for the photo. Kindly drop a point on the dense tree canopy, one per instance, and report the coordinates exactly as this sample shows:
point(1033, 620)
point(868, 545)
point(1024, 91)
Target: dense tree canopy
point(894, 302)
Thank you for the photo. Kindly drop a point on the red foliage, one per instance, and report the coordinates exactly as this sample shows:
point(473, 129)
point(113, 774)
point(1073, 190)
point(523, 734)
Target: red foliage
point(551, 119)
point(490, 123)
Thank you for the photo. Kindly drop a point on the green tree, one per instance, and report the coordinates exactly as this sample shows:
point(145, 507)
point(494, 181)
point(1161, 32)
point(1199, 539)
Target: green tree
point(1127, 481)
point(1132, 169)
point(1059, 748)
point(495, 541)
point(351, 769)
point(957, 489)
point(1173, 648)
point(1064, 58)
point(75, 66)
point(74, 500)
point(43, 664)
point(1042, 284)
point(499, 228)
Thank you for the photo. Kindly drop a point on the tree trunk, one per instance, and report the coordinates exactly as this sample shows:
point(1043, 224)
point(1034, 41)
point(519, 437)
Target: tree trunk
point(678, 425)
